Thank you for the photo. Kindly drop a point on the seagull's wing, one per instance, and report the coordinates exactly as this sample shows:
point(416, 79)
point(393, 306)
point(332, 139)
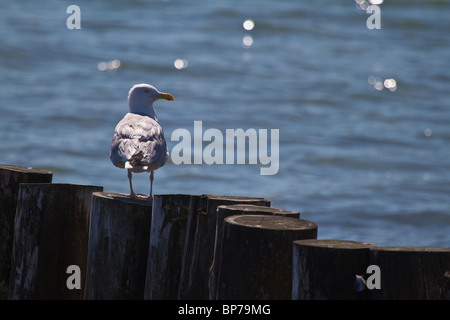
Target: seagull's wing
point(140, 139)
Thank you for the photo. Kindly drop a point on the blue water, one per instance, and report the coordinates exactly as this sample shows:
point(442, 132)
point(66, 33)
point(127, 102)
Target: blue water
point(364, 164)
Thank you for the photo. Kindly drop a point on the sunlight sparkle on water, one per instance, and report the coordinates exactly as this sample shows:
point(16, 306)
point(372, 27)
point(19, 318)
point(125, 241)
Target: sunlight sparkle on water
point(108, 65)
point(247, 41)
point(248, 25)
point(180, 63)
point(390, 84)
point(379, 84)
point(364, 4)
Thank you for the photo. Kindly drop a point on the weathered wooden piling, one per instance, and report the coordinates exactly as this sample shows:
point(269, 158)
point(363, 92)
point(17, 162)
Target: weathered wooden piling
point(118, 247)
point(171, 220)
point(51, 234)
point(256, 256)
point(411, 273)
point(198, 262)
point(327, 269)
point(182, 243)
point(10, 179)
point(65, 241)
point(224, 211)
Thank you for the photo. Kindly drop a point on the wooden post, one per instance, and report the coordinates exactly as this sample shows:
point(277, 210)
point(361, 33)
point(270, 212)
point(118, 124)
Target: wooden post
point(256, 261)
point(327, 269)
point(118, 247)
point(181, 244)
point(10, 178)
point(224, 211)
point(195, 276)
point(410, 273)
point(172, 218)
point(50, 234)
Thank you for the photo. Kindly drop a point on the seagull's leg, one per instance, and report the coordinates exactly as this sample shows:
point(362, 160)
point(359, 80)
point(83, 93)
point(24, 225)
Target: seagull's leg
point(150, 197)
point(132, 194)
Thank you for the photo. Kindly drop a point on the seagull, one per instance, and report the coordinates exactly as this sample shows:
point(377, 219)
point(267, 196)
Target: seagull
point(138, 143)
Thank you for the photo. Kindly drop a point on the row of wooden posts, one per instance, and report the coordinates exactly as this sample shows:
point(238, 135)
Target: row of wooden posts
point(185, 246)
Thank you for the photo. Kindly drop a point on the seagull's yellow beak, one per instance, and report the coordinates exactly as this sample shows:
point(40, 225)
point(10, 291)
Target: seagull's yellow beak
point(166, 96)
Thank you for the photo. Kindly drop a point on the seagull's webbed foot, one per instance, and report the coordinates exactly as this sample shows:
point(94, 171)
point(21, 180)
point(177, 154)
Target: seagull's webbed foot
point(133, 195)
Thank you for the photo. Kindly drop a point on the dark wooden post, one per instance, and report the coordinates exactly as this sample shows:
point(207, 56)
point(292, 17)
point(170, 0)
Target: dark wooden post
point(327, 269)
point(118, 247)
point(181, 244)
point(224, 211)
point(195, 276)
point(50, 234)
point(172, 218)
point(256, 261)
point(10, 178)
point(410, 273)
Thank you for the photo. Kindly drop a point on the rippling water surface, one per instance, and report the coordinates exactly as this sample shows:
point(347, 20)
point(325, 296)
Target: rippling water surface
point(363, 115)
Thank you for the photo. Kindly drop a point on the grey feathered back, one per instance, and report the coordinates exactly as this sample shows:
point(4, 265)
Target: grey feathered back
point(136, 134)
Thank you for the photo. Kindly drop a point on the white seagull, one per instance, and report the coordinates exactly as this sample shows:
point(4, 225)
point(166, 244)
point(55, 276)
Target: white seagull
point(138, 143)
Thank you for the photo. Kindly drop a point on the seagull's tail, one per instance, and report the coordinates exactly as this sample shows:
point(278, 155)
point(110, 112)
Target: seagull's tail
point(136, 161)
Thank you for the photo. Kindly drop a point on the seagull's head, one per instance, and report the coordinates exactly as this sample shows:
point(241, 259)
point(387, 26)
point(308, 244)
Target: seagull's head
point(142, 96)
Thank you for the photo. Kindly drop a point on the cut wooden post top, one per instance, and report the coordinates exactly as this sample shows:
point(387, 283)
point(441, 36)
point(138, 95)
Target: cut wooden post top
point(348, 244)
point(122, 197)
point(271, 222)
point(334, 244)
point(412, 249)
point(251, 208)
point(10, 167)
point(59, 185)
point(239, 198)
